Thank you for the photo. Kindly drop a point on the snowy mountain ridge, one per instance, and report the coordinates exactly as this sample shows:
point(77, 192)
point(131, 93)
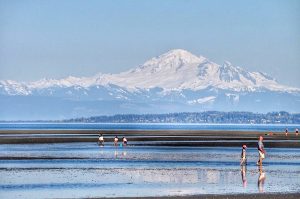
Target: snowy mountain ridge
point(175, 70)
point(176, 81)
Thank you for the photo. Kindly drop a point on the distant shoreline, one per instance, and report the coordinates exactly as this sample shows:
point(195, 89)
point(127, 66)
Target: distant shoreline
point(205, 117)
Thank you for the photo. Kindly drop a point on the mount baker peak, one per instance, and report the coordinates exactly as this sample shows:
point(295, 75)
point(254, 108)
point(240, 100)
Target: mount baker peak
point(176, 69)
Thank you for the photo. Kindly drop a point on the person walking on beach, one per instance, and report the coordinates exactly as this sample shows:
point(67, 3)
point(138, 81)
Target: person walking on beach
point(101, 140)
point(297, 132)
point(286, 132)
point(116, 141)
point(243, 155)
point(261, 150)
point(124, 141)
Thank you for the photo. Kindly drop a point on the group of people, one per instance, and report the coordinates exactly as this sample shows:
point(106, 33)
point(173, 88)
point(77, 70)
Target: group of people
point(260, 147)
point(116, 140)
point(261, 152)
point(287, 132)
point(261, 156)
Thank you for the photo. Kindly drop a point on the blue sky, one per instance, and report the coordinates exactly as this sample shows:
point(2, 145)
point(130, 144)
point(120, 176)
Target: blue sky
point(58, 38)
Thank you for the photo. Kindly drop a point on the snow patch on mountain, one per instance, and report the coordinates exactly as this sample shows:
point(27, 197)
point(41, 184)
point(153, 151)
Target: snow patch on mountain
point(233, 97)
point(203, 100)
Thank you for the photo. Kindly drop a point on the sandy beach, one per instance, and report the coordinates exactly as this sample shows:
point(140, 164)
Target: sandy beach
point(152, 137)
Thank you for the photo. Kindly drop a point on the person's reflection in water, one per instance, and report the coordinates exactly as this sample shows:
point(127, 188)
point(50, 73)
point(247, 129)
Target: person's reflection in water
point(261, 179)
point(244, 178)
point(101, 150)
point(116, 154)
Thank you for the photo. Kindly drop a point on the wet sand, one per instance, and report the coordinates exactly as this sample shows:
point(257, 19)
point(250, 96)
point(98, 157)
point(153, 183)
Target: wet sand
point(152, 137)
point(229, 196)
point(85, 170)
point(240, 196)
point(156, 164)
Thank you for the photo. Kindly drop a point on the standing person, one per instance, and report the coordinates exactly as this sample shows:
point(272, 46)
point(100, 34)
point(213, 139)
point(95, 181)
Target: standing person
point(101, 140)
point(286, 132)
point(243, 155)
point(124, 141)
point(297, 132)
point(116, 141)
point(261, 150)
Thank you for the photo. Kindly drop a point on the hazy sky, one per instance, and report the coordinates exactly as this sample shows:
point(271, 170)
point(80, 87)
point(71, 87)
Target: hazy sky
point(59, 38)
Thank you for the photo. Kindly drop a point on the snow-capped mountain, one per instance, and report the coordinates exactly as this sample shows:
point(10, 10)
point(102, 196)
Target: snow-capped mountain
point(177, 79)
point(179, 69)
point(175, 70)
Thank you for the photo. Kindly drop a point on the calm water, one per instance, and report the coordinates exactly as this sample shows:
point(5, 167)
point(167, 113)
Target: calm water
point(79, 170)
point(131, 126)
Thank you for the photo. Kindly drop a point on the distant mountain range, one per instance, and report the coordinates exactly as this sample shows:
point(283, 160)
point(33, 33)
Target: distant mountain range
point(176, 81)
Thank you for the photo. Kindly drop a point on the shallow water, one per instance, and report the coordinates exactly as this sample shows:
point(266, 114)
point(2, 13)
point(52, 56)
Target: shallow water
point(149, 126)
point(76, 170)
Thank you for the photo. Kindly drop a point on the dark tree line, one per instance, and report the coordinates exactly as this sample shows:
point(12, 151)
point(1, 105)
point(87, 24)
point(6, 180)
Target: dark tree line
point(198, 117)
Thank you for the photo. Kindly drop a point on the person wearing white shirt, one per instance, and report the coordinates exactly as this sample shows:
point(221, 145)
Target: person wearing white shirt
point(101, 140)
point(116, 141)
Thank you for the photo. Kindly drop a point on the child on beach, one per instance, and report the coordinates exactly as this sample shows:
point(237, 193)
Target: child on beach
point(116, 141)
point(286, 132)
point(101, 140)
point(297, 132)
point(243, 155)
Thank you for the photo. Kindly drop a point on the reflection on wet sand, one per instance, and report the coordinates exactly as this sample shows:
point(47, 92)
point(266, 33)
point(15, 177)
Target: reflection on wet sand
point(212, 176)
point(261, 179)
point(244, 178)
point(161, 175)
point(141, 171)
point(118, 155)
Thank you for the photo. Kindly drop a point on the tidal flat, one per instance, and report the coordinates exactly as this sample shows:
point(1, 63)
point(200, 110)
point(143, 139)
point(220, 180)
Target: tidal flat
point(86, 170)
